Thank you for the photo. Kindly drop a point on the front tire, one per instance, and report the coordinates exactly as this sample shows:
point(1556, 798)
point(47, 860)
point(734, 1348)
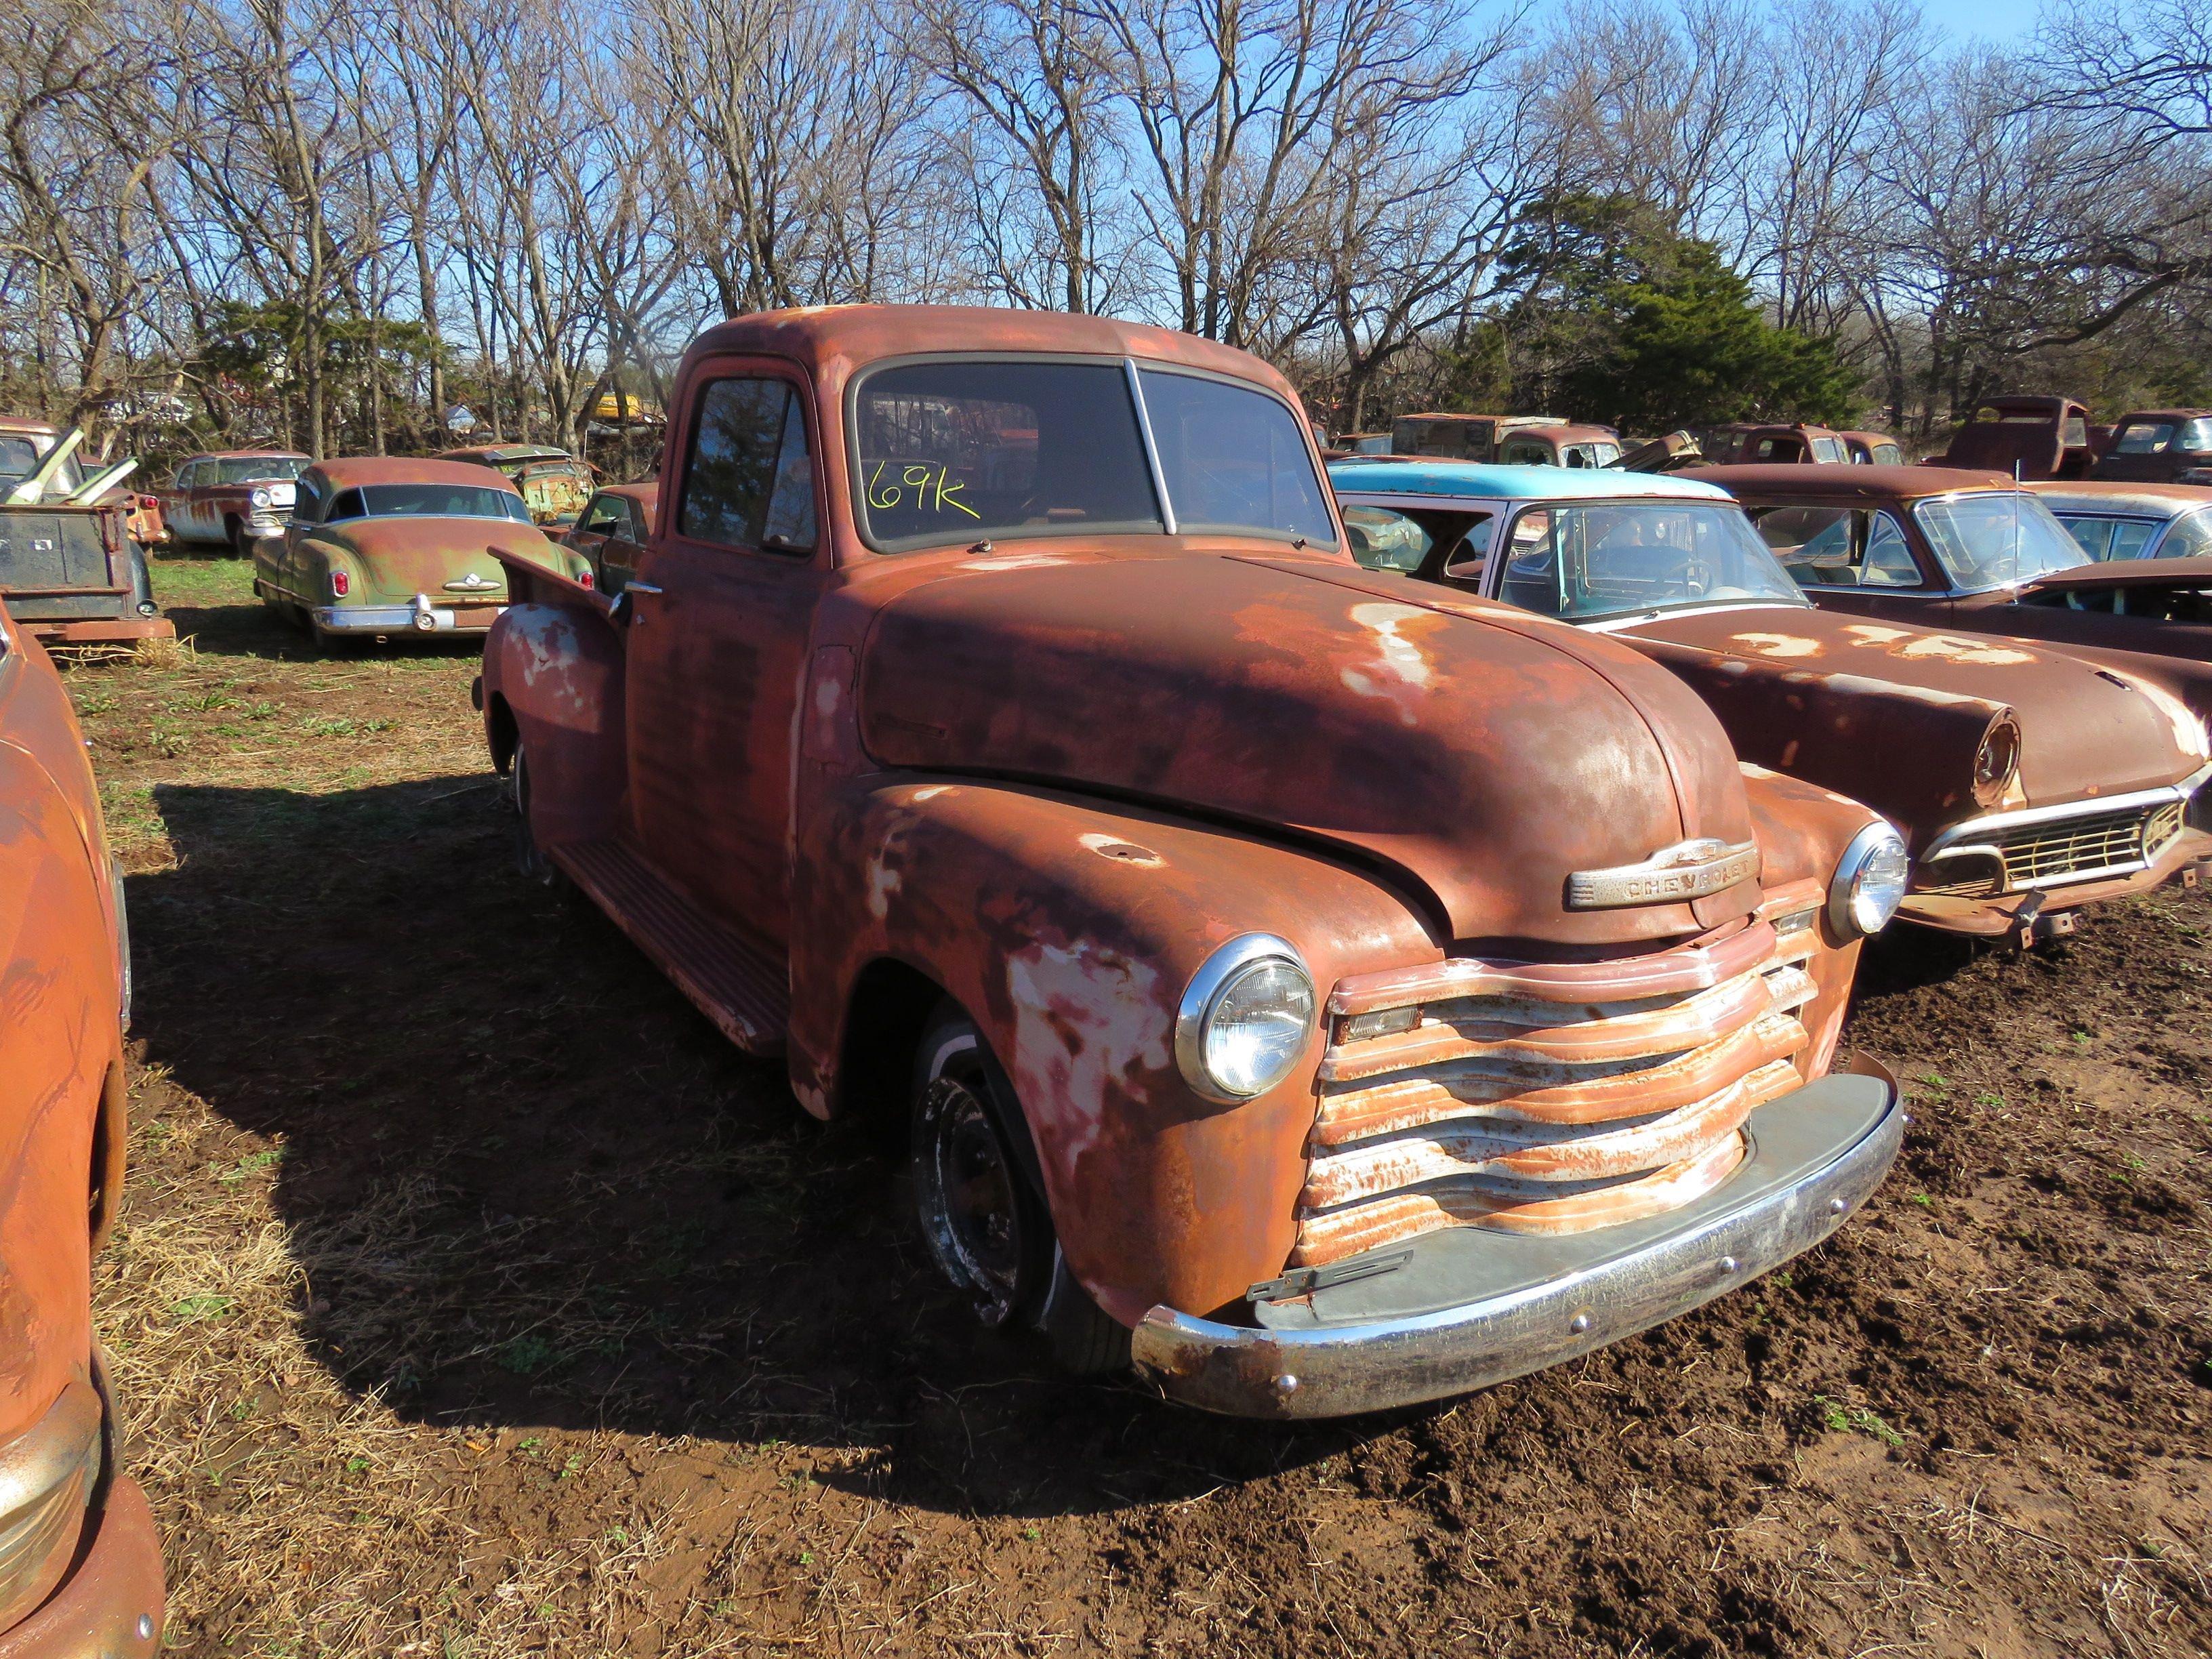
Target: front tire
point(979, 1200)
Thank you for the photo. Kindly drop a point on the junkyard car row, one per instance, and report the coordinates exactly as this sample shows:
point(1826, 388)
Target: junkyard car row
point(1334, 936)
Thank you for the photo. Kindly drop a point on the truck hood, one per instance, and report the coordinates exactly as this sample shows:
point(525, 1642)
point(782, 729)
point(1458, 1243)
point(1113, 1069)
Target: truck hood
point(1893, 715)
point(1482, 753)
point(398, 558)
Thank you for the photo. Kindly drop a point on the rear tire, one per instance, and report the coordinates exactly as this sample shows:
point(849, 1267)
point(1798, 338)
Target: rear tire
point(980, 1199)
point(234, 532)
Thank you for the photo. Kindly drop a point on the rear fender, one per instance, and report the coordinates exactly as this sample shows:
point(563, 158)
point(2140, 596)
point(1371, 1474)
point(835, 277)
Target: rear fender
point(1069, 932)
point(553, 681)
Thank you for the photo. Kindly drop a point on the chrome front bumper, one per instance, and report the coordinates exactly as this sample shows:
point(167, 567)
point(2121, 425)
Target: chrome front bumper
point(421, 617)
point(1815, 1155)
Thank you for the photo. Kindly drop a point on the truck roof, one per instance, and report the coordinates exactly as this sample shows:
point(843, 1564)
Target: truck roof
point(816, 336)
point(1475, 478)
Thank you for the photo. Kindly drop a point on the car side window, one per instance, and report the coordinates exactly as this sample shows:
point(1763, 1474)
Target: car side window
point(2092, 536)
point(2190, 538)
point(346, 504)
point(188, 476)
point(749, 478)
point(1888, 560)
point(1381, 539)
point(307, 503)
point(604, 517)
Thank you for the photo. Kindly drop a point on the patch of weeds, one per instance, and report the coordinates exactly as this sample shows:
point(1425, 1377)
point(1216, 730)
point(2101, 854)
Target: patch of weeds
point(573, 1467)
point(806, 1557)
point(194, 1309)
point(168, 744)
point(247, 1166)
point(242, 1409)
point(263, 710)
point(1840, 1417)
point(527, 1355)
point(356, 1466)
point(2082, 1039)
point(1924, 1200)
point(1781, 1281)
point(205, 703)
point(1031, 1534)
point(1990, 1102)
point(617, 1535)
point(1938, 1085)
point(96, 702)
point(533, 1447)
point(329, 726)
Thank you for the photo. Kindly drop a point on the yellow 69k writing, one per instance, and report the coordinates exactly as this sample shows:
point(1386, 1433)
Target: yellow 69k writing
point(929, 484)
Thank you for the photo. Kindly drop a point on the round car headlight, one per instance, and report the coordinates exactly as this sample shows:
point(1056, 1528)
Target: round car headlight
point(1869, 882)
point(259, 498)
point(1997, 762)
point(1245, 1019)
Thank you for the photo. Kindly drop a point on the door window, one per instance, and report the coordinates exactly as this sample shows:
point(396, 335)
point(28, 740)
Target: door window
point(2190, 538)
point(188, 476)
point(748, 479)
point(1839, 547)
point(2143, 438)
point(604, 517)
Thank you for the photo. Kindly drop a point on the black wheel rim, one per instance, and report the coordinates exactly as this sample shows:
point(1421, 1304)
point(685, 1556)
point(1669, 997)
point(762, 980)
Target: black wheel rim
point(965, 1189)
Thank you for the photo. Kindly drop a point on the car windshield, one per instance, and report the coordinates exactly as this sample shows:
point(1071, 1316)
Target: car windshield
point(975, 449)
point(1994, 540)
point(1830, 450)
point(1615, 558)
point(555, 491)
point(2143, 438)
point(428, 500)
point(1887, 455)
point(259, 466)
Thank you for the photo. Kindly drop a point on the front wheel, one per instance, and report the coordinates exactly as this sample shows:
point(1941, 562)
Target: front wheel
point(981, 1206)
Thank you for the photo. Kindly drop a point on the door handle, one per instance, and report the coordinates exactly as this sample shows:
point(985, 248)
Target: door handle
point(636, 587)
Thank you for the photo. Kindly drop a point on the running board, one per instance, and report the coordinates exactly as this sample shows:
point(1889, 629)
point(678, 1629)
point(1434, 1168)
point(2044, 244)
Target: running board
point(734, 983)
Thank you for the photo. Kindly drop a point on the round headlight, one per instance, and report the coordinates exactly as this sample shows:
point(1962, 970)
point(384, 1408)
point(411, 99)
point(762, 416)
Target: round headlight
point(1245, 1019)
point(1869, 882)
point(259, 498)
point(1996, 761)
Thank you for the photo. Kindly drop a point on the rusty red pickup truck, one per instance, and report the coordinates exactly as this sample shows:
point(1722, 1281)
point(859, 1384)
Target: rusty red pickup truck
point(1323, 990)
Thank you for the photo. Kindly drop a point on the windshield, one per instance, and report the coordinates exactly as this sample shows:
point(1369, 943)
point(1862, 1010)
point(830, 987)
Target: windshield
point(1619, 557)
point(988, 450)
point(1830, 450)
point(259, 466)
point(555, 493)
point(1994, 540)
point(427, 501)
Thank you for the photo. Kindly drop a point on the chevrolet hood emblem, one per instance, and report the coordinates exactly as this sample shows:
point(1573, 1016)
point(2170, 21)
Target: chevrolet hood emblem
point(1687, 870)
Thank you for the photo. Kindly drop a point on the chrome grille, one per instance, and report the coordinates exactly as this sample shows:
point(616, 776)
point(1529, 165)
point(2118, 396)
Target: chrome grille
point(2053, 852)
point(1546, 1098)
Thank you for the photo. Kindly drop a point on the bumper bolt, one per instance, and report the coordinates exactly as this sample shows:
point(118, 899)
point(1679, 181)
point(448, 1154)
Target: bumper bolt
point(1728, 1264)
point(1579, 1323)
point(145, 1626)
point(1286, 1383)
point(1837, 1207)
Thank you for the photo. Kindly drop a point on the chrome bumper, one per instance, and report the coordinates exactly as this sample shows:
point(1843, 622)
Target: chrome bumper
point(1815, 1155)
point(421, 616)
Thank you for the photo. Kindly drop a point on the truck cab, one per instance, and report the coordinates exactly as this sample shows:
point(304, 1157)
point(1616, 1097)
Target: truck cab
point(1320, 990)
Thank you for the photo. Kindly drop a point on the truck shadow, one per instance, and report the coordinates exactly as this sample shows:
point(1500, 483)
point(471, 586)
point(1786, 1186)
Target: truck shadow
point(529, 1185)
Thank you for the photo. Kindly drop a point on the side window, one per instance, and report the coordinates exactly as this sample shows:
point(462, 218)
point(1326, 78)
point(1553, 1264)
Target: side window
point(2190, 537)
point(1814, 544)
point(1522, 453)
point(749, 480)
point(188, 476)
point(2092, 536)
point(1888, 562)
point(1532, 565)
point(348, 504)
point(1382, 540)
point(604, 517)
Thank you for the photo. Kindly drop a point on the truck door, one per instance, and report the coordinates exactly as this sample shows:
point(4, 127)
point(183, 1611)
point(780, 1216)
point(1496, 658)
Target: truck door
point(721, 608)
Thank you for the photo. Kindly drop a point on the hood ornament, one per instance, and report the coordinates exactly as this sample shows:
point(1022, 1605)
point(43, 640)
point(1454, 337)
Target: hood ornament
point(1687, 870)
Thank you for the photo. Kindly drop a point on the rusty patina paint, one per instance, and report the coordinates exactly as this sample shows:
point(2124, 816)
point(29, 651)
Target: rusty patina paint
point(1051, 778)
point(61, 1081)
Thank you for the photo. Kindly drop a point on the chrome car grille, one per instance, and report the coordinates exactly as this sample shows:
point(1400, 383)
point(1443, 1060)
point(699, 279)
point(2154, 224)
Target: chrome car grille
point(1549, 1098)
point(2055, 852)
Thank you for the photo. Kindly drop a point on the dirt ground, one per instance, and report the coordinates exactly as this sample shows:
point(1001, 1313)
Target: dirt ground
point(473, 1298)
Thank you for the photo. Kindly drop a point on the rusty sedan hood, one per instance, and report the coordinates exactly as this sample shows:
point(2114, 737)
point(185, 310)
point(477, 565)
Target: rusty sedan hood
point(400, 557)
point(1484, 753)
point(1893, 715)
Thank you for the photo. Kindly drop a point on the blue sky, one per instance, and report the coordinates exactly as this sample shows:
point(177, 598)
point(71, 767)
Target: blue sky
point(1992, 20)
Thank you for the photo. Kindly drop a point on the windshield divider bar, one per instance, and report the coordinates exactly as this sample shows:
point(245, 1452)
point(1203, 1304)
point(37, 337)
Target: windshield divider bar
point(1151, 450)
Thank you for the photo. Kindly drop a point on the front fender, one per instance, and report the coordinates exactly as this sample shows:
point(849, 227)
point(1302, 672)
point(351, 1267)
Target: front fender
point(1069, 930)
point(553, 681)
